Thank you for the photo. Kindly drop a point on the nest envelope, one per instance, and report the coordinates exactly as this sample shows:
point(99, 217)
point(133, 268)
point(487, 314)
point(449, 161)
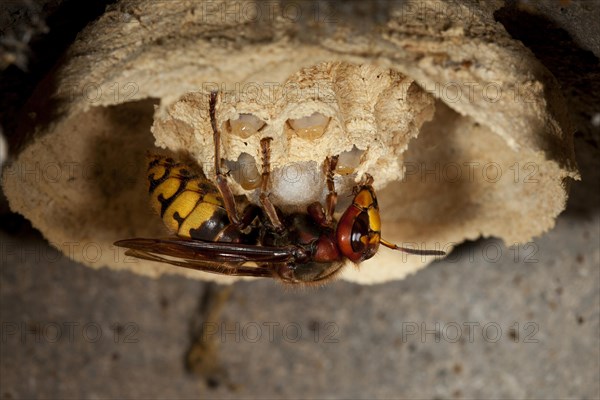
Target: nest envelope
point(464, 131)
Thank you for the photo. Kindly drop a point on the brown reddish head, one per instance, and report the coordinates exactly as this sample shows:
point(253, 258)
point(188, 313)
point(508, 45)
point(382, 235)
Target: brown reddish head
point(358, 231)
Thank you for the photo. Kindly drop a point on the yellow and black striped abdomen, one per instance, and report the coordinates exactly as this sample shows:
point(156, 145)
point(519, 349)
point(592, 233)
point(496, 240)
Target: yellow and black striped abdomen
point(189, 205)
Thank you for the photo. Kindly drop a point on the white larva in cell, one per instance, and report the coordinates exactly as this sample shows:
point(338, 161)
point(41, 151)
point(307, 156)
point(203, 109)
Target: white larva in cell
point(311, 127)
point(297, 184)
point(246, 125)
point(348, 161)
point(245, 171)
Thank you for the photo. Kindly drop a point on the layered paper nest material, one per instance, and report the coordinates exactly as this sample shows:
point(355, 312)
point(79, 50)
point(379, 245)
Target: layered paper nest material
point(465, 132)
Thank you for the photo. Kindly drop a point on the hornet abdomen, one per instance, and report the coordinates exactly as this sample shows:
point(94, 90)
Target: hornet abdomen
point(189, 204)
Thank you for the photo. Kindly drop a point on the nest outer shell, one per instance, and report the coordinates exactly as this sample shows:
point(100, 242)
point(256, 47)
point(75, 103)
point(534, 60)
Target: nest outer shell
point(80, 175)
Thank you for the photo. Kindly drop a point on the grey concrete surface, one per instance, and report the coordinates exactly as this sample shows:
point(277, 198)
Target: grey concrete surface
point(489, 322)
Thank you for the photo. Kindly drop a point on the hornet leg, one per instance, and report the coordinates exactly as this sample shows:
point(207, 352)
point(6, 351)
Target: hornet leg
point(331, 200)
point(268, 207)
point(220, 177)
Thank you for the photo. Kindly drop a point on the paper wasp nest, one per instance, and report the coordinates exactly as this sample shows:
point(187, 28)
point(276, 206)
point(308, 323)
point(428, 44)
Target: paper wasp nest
point(364, 113)
point(464, 131)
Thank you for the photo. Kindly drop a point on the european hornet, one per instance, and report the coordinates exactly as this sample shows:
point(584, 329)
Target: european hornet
point(212, 236)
